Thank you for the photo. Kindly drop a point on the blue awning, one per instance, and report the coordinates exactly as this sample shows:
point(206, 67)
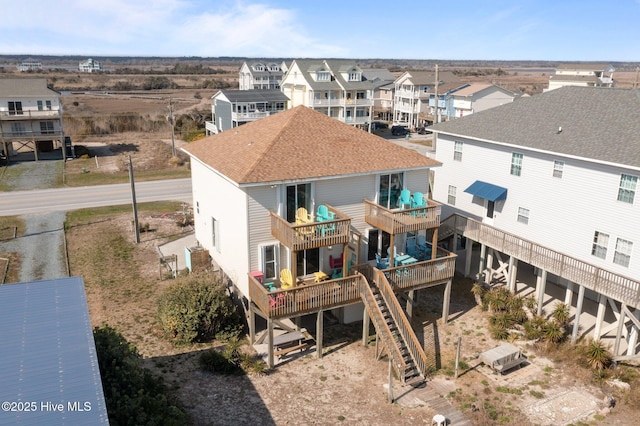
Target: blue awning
point(487, 191)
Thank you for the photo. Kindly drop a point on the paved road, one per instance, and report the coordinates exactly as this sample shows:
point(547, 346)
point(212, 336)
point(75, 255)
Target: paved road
point(63, 199)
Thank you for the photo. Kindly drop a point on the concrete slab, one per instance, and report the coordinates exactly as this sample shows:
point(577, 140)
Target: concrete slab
point(177, 247)
point(564, 408)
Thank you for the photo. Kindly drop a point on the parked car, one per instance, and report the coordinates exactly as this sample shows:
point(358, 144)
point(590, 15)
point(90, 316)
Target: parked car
point(378, 125)
point(399, 130)
point(423, 131)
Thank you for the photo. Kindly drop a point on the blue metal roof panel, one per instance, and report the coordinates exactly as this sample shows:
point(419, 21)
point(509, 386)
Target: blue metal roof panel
point(48, 354)
point(487, 191)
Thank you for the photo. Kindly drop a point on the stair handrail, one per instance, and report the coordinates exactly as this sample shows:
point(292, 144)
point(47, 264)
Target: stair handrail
point(383, 329)
point(402, 322)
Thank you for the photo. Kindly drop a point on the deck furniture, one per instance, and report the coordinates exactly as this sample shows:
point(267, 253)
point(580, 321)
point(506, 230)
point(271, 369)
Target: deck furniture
point(503, 357)
point(286, 281)
point(404, 199)
point(382, 262)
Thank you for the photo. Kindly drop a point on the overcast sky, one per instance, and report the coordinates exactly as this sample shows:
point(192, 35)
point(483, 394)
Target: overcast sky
point(555, 30)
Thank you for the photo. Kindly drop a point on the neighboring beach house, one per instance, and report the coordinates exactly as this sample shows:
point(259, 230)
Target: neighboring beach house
point(582, 74)
point(299, 210)
point(336, 88)
point(30, 117)
point(551, 182)
point(90, 65)
point(413, 104)
point(477, 97)
point(261, 75)
point(232, 108)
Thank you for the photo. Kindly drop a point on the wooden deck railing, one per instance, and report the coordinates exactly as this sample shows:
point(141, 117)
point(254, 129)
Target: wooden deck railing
point(312, 235)
point(610, 284)
point(422, 274)
point(400, 221)
point(383, 330)
point(306, 298)
point(404, 327)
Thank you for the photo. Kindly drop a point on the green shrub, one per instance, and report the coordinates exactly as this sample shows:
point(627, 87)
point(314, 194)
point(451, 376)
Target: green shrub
point(133, 395)
point(195, 309)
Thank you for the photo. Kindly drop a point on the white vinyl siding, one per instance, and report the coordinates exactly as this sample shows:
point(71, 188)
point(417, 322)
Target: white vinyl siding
point(261, 200)
point(567, 210)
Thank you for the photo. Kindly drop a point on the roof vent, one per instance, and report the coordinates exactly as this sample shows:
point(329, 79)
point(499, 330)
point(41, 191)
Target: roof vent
point(559, 130)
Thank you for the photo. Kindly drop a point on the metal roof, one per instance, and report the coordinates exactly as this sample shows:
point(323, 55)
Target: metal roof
point(48, 354)
point(601, 124)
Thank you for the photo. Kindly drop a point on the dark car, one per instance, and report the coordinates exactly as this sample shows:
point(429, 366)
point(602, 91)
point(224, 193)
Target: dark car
point(399, 131)
point(423, 131)
point(378, 125)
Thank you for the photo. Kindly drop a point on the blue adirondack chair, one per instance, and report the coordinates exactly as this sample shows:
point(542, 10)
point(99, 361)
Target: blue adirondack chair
point(323, 215)
point(382, 262)
point(405, 199)
point(417, 201)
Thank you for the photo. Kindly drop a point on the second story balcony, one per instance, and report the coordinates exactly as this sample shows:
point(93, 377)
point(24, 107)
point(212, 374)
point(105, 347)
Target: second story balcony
point(249, 116)
point(26, 114)
point(312, 231)
point(399, 221)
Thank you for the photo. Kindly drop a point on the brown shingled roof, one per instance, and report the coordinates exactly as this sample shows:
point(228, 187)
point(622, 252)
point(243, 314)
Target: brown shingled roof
point(301, 144)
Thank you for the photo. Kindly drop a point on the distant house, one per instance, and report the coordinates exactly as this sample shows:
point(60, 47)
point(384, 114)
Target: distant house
point(337, 88)
point(30, 116)
point(476, 97)
point(29, 66)
point(49, 361)
point(232, 108)
point(261, 75)
point(582, 74)
point(383, 80)
point(551, 182)
point(90, 65)
point(414, 105)
point(295, 206)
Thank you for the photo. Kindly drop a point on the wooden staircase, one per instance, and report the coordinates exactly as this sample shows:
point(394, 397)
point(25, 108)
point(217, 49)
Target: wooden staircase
point(394, 331)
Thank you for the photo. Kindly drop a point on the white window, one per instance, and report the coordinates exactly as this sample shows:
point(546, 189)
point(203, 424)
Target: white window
point(46, 127)
point(215, 234)
point(523, 215)
point(269, 261)
point(627, 190)
point(457, 151)
point(354, 76)
point(516, 164)
point(558, 166)
point(40, 106)
point(451, 195)
point(622, 255)
point(18, 129)
point(323, 76)
point(600, 243)
point(48, 105)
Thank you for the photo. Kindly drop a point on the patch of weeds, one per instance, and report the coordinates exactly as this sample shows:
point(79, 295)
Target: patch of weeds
point(321, 367)
point(538, 383)
point(341, 418)
point(336, 377)
point(599, 417)
point(536, 394)
point(485, 382)
point(466, 332)
point(548, 370)
point(506, 389)
point(323, 378)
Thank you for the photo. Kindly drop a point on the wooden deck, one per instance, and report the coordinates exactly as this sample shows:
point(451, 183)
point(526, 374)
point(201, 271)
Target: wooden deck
point(399, 221)
point(312, 235)
point(310, 297)
point(612, 285)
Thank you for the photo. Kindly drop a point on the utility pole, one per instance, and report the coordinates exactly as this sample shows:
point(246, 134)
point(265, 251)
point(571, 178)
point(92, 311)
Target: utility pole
point(133, 200)
point(173, 143)
point(435, 111)
point(635, 82)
